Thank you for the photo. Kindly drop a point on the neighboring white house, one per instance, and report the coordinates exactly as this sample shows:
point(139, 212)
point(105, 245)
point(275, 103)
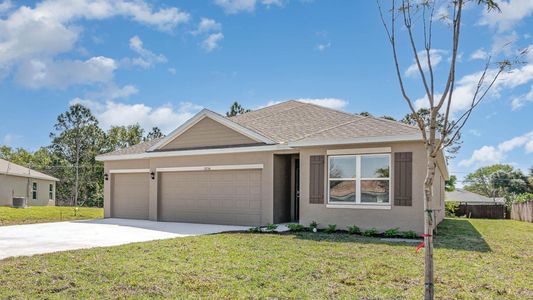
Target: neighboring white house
point(464, 196)
point(17, 181)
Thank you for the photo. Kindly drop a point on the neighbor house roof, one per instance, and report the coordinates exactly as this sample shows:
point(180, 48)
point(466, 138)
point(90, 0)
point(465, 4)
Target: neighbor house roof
point(9, 168)
point(298, 123)
point(460, 195)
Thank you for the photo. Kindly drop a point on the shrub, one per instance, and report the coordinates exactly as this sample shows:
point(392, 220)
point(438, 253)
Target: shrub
point(313, 225)
point(271, 227)
point(295, 227)
point(255, 229)
point(408, 234)
point(331, 228)
point(450, 208)
point(370, 232)
point(391, 232)
point(521, 198)
point(354, 229)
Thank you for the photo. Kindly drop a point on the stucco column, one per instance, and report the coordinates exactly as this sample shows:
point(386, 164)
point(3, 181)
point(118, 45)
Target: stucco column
point(152, 202)
point(107, 194)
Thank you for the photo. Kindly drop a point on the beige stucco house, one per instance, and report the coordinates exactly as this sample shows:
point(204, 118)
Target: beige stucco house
point(17, 181)
point(290, 162)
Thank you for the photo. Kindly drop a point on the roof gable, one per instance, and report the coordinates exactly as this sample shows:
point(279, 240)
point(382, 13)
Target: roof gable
point(9, 168)
point(209, 129)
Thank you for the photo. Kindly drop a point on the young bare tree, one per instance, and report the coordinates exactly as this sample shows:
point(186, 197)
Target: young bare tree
point(436, 138)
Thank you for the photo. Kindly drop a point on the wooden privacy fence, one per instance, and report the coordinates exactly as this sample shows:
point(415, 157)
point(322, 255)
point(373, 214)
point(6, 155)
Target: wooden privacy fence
point(481, 211)
point(522, 211)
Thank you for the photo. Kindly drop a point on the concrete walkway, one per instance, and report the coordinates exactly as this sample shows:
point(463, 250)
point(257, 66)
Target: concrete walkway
point(24, 240)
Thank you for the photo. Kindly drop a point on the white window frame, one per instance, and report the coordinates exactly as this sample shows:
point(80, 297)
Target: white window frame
point(357, 179)
point(51, 191)
point(34, 188)
point(343, 179)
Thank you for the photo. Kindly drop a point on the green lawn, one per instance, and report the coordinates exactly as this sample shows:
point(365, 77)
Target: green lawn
point(42, 214)
point(475, 259)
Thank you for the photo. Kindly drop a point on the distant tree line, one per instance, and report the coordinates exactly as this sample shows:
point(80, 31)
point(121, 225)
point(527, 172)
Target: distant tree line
point(75, 142)
point(499, 181)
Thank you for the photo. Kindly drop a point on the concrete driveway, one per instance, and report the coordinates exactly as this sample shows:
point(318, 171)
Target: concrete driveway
point(23, 240)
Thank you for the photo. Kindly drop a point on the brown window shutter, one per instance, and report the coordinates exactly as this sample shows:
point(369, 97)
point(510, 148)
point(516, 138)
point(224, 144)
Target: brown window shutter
point(403, 178)
point(316, 179)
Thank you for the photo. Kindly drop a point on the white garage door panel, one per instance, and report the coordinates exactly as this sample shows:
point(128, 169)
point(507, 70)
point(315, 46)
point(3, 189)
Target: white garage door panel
point(130, 196)
point(217, 197)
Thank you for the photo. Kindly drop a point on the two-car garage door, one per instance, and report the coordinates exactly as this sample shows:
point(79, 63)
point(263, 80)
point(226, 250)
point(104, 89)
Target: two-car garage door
point(216, 197)
point(213, 197)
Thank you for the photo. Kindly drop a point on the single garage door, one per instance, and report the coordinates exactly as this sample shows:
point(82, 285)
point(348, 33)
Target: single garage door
point(213, 197)
point(130, 196)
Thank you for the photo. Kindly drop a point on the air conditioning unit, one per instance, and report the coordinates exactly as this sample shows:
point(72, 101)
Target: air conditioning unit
point(19, 202)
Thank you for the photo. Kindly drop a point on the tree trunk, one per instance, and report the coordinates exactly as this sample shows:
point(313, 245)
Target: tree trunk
point(429, 287)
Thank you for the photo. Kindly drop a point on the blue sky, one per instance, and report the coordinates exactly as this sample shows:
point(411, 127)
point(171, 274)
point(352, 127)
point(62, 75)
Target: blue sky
point(156, 63)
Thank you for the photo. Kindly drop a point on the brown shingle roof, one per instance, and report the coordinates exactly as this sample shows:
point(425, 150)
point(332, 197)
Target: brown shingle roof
point(9, 168)
point(293, 121)
point(135, 149)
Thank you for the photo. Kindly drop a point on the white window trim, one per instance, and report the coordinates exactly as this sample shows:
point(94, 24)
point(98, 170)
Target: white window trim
point(50, 191)
point(34, 189)
point(354, 151)
point(357, 179)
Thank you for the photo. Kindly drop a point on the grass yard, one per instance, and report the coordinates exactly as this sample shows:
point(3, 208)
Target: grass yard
point(475, 259)
point(43, 214)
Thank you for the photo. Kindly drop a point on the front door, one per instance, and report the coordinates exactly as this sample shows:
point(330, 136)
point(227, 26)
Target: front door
point(296, 205)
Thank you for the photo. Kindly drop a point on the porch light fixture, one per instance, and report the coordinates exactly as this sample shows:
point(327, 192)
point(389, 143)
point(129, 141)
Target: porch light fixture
point(152, 174)
point(106, 176)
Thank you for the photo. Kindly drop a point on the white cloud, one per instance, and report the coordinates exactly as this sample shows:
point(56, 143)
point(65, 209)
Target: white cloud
point(5, 6)
point(166, 117)
point(487, 155)
point(466, 86)
point(212, 41)
point(521, 100)
point(210, 30)
point(269, 3)
point(172, 71)
point(146, 57)
point(333, 103)
point(512, 12)
point(48, 29)
point(479, 54)
point(474, 132)
point(237, 6)
point(323, 47)
point(504, 43)
point(10, 138)
point(436, 56)
point(60, 74)
point(207, 25)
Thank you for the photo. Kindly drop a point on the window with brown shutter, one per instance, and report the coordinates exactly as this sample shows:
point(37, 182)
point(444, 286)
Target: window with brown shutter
point(403, 178)
point(316, 179)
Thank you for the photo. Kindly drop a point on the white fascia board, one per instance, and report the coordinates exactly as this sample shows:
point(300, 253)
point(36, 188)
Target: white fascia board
point(357, 140)
point(31, 176)
point(128, 171)
point(205, 113)
point(147, 155)
point(211, 168)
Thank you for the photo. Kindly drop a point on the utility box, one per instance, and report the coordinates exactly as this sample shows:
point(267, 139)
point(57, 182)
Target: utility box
point(19, 202)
